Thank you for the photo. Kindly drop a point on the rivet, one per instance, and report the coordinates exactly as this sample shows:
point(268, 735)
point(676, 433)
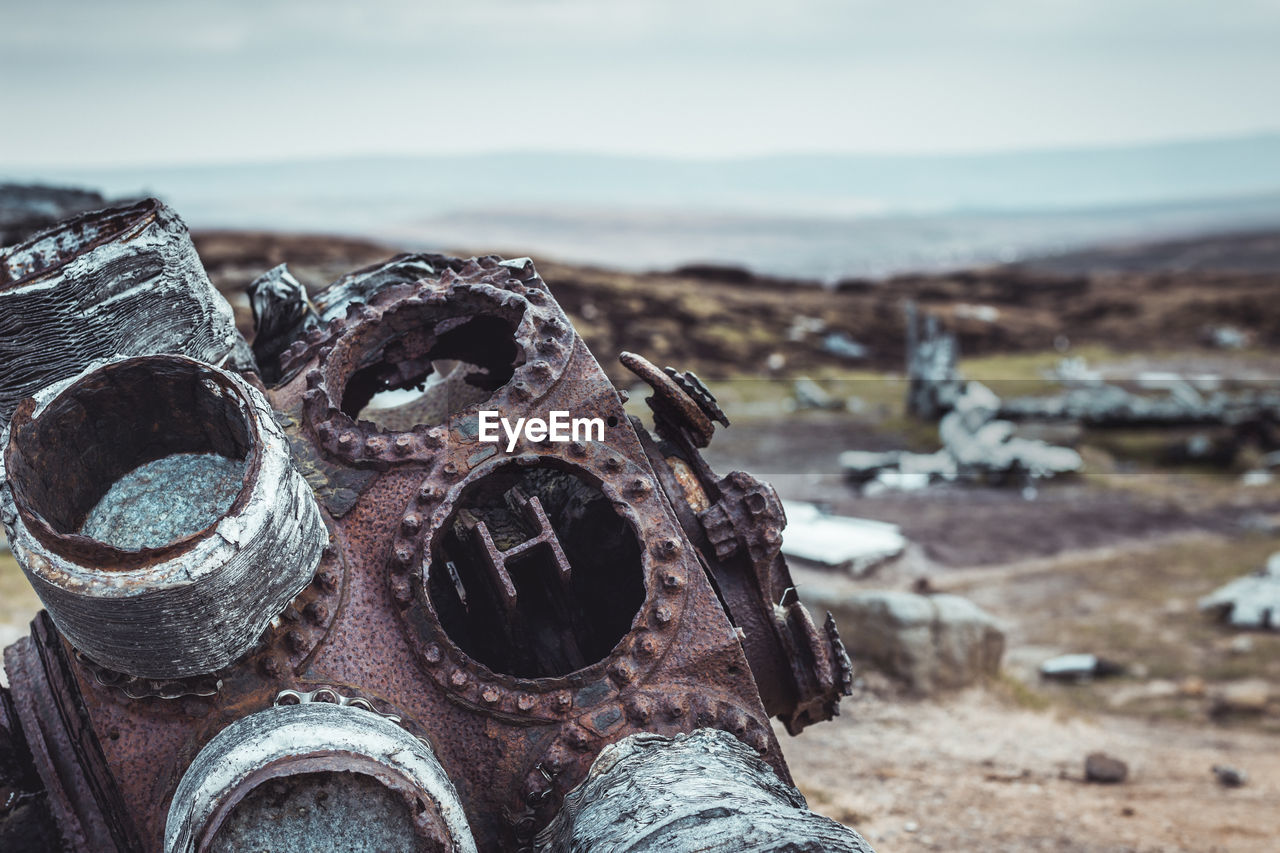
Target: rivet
point(677, 707)
point(647, 646)
point(295, 641)
point(490, 696)
point(672, 581)
point(458, 678)
point(375, 443)
point(613, 463)
point(524, 702)
point(666, 548)
point(314, 378)
point(622, 672)
point(316, 612)
point(327, 580)
point(403, 444)
point(403, 555)
point(450, 469)
point(662, 614)
point(433, 654)
point(577, 448)
point(428, 493)
point(563, 700)
point(411, 524)
point(400, 589)
point(639, 709)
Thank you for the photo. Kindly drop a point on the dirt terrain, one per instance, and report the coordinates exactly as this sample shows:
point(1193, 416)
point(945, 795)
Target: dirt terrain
point(1111, 561)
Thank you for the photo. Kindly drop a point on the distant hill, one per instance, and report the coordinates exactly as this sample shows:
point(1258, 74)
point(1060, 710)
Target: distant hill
point(817, 215)
point(802, 183)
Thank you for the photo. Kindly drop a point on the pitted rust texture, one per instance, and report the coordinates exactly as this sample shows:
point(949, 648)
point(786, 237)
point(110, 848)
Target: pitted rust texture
point(368, 626)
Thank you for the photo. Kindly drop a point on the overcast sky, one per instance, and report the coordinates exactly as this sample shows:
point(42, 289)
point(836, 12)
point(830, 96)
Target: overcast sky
point(89, 82)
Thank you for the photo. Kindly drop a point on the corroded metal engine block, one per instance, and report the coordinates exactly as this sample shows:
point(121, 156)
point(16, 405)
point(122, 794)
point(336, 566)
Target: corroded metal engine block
point(258, 591)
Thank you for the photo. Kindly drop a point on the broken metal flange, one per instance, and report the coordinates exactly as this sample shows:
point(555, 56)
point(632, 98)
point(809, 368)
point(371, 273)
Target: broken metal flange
point(121, 281)
point(196, 598)
point(293, 742)
point(680, 402)
point(737, 523)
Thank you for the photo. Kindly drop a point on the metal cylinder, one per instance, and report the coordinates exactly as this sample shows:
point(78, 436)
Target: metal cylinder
point(704, 791)
point(153, 505)
point(370, 783)
point(122, 281)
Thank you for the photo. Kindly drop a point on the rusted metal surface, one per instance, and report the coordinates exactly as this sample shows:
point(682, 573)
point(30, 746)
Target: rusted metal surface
point(516, 610)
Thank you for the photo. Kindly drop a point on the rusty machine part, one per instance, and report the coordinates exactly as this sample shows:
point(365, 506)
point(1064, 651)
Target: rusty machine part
point(736, 524)
point(512, 608)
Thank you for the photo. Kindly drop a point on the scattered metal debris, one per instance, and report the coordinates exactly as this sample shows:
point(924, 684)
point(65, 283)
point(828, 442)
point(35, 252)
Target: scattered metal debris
point(855, 545)
point(933, 379)
point(1252, 601)
point(1230, 777)
point(976, 448)
point(1079, 667)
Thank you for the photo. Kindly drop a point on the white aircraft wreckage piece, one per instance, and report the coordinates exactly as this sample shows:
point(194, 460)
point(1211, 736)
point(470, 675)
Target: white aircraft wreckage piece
point(1252, 601)
point(855, 544)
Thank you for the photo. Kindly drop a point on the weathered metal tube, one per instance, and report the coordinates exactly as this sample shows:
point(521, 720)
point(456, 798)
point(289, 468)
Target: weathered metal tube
point(704, 791)
point(314, 748)
point(153, 505)
point(122, 281)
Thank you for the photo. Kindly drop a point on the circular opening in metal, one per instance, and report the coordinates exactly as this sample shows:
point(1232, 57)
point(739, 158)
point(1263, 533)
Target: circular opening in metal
point(136, 455)
point(319, 812)
point(422, 363)
point(536, 573)
point(49, 250)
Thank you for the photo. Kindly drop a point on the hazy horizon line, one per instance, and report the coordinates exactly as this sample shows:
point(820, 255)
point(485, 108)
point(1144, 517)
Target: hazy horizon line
point(1100, 147)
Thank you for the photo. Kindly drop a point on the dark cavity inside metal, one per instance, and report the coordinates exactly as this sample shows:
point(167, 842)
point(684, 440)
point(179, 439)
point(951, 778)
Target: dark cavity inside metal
point(140, 509)
point(536, 574)
point(319, 813)
point(113, 425)
point(51, 249)
point(455, 363)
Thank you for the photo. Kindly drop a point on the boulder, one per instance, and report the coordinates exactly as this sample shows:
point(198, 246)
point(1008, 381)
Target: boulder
point(929, 642)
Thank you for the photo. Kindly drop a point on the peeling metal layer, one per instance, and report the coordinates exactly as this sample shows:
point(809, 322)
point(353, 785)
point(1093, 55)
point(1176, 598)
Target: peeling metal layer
point(704, 791)
point(198, 603)
point(311, 737)
point(120, 281)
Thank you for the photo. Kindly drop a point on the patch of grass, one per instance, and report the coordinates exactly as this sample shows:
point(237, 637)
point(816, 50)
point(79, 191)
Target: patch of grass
point(1139, 608)
point(1019, 693)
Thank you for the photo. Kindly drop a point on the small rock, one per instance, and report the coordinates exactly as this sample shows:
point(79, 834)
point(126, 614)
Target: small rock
point(1241, 645)
point(1192, 686)
point(911, 826)
point(931, 642)
point(1243, 697)
point(1229, 777)
point(1103, 769)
